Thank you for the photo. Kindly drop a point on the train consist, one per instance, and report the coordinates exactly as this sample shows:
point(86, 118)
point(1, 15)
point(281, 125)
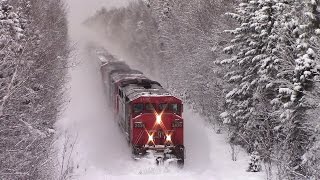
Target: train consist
point(149, 116)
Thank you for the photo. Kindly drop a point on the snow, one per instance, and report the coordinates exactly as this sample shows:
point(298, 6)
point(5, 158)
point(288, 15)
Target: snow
point(231, 93)
point(224, 114)
point(277, 128)
point(269, 85)
point(275, 101)
point(235, 78)
point(227, 61)
point(228, 49)
point(100, 150)
point(285, 91)
point(311, 52)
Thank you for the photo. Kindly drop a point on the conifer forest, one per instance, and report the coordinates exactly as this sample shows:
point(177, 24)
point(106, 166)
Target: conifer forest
point(246, 71)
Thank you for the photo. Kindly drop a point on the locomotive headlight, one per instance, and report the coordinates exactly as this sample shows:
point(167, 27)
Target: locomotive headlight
point(150, 138)
point(168, 138)
point(158, 119)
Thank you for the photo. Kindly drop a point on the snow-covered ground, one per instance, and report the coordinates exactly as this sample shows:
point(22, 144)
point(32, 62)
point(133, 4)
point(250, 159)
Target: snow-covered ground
point(99, 150)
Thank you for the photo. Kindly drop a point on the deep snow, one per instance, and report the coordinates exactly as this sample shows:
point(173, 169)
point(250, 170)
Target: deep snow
point(100, 151)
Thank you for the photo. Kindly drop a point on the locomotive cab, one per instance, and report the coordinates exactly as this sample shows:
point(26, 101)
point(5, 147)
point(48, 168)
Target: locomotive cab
point(157, 126)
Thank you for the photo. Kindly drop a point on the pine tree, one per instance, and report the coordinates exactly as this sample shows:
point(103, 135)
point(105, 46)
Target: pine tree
point(244, 47)
point(311, 158)
point(301, 136)
point(295, 82)
point(272, 68)
point(255, 59)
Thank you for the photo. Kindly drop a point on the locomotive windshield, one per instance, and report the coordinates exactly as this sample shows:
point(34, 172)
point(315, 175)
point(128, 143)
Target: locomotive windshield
point(163, 107)
point(137, 108)
point(150, 107)
point(174, 108)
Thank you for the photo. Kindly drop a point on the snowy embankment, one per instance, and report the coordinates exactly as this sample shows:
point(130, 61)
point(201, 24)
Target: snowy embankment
point(97, 150)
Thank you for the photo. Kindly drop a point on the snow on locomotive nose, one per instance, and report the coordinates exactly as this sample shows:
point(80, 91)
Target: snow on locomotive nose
point(149, 116)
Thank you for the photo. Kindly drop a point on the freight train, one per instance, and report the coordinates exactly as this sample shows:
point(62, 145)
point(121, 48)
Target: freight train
point(148, 115)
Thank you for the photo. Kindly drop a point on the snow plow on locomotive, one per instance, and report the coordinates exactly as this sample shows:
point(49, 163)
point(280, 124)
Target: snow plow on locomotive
point(149, 116)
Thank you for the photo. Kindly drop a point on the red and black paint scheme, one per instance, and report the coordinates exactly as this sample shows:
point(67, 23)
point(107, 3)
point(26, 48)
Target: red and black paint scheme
point(150, 117)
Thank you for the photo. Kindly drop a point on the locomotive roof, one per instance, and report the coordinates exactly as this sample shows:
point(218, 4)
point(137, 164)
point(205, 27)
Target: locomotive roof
point(133, 82)
point(135, 91)
point(127, 75)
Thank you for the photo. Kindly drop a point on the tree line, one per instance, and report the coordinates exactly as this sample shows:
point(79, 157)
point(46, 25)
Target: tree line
point(33, 66)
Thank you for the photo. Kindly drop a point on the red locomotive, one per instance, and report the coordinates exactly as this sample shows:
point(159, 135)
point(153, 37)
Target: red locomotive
point(150, 117)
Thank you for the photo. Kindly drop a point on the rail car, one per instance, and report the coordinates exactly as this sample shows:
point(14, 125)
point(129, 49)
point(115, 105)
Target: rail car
point(149, 116)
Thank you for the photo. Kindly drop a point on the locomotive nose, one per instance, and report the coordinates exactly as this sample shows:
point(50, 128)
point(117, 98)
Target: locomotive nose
point(158, 129)
point(164, 132)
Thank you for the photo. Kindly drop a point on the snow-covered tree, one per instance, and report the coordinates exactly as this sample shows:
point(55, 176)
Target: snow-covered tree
point(295, 90)
point(272, 68)
point(32, 73)
point(301, 96)
point(254, 60)
point(11, 42)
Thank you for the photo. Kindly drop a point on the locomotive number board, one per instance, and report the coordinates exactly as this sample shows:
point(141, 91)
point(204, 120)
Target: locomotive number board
point(139, 125)
point(177, 124)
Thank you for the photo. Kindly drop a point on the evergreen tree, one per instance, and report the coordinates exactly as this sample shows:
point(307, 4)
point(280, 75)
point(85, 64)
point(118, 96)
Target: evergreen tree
point(272, 68)
point(295, 94)
point(254, 60)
